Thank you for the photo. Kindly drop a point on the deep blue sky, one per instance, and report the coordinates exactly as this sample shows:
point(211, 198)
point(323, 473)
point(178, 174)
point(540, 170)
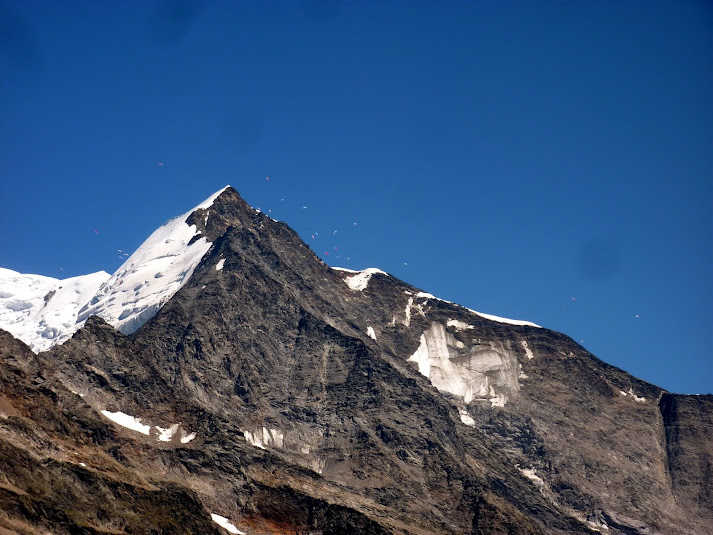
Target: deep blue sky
point(550, 161)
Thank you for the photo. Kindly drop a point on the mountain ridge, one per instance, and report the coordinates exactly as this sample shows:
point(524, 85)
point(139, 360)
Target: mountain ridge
point(154, 272)
point(320, 407)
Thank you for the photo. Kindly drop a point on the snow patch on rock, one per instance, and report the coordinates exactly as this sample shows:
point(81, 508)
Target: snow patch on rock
point(466, 418)
point(410, 305)
point(163, 434)
point(220, 264)
point(225, 524)
point(317, 464)
point(264, 438)
point(128, 421)
point(459, 325)
point(528, 352)
point(530, 474)
point(408, 312)
point(471, 372)
point(186, 438)
point(166, 434)
point(370, 332)
point(630, 393)
point(361, 280)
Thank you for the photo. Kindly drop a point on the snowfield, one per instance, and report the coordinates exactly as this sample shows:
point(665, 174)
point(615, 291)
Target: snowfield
point(42, 311)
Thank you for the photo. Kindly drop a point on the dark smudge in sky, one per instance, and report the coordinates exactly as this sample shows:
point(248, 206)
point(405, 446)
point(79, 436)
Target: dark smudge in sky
point(18, 43)
point(171, 20)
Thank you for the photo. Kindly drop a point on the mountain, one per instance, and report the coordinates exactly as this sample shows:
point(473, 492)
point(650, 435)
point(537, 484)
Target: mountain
point(254, 389)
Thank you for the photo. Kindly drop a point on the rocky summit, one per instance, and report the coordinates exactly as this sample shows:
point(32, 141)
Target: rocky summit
point(226, 380)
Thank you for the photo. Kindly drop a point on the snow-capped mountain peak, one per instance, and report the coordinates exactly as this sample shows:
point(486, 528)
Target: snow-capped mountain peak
point(152, 275)
point(45, 311)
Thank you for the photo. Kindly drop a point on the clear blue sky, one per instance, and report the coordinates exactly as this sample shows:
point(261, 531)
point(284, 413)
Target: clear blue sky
point(550, 161)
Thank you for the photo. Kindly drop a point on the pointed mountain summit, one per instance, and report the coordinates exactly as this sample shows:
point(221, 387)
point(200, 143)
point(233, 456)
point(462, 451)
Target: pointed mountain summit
point(265, 392)
point(154, 272)
point(43, 311)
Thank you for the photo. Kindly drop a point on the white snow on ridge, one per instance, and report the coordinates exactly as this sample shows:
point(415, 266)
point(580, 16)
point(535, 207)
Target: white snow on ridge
point(42, 311)
point(225, 524)
point(361, 280)
point(490, 317)
point(504, 320)
point(370, 332)
point(346, 270)
point(150, 276)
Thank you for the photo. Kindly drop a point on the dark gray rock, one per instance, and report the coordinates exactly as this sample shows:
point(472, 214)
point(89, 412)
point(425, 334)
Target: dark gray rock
point(306, 424)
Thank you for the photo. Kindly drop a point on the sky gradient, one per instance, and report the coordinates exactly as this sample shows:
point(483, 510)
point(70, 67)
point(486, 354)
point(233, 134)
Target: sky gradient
point(548, 161)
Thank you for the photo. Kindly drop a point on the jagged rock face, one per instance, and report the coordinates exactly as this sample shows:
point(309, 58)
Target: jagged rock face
point(62, 466)
point(688, 432)
point(325, 401)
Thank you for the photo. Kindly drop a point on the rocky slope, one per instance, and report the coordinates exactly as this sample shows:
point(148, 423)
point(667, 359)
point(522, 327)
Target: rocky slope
point(289, 397)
